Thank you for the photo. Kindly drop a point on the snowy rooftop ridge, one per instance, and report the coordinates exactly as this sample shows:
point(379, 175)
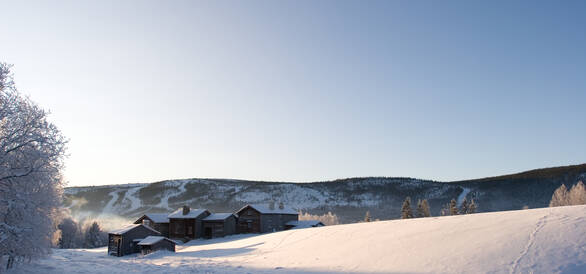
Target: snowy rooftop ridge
point(193, 213)
point(218, 216)
point(127, 228)
point(266, 209)
point(158, 217)
point(149, 240)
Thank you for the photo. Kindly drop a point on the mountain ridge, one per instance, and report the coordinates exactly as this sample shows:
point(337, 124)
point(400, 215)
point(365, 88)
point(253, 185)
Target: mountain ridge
point(349, 198)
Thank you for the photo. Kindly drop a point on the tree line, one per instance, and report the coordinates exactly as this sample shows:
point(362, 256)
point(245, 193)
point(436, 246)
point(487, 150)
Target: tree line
point(423, 209)
point(72, 234)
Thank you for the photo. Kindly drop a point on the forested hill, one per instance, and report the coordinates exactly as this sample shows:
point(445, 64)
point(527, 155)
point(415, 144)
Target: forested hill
point(348, 198)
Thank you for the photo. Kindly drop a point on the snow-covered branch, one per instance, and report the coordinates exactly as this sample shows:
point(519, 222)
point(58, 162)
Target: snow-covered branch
point(31, 158)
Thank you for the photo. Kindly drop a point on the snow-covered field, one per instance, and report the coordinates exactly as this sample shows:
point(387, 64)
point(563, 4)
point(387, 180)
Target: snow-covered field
point(548, 240)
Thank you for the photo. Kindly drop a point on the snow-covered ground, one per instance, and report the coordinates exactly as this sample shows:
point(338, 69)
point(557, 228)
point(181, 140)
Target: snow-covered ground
point(548, 240)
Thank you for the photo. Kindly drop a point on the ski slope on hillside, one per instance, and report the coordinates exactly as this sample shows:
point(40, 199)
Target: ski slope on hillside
point(548, 240)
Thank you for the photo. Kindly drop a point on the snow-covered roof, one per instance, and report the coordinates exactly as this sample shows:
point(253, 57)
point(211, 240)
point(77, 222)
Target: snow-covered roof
point(158, 217)
point(265, 209)
point(305, 223)
point(127, 228)
point(218, 216)
point(151, 240)
point(124, 229)
point(193, 213)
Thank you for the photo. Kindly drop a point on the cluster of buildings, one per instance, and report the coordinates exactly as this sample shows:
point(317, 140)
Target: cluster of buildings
point(155, 231)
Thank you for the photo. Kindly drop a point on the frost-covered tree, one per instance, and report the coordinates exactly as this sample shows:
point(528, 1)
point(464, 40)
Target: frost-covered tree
point(471, 207)
point(425, 207)
point(367, 217)
point(406, 212)
point(70, 234)
point(31, 154)
point(453, 207)
point(94, 236)
point(464, 207)
point(559, 197)
point(577, 194)
point(419, 210)
point(327, 219)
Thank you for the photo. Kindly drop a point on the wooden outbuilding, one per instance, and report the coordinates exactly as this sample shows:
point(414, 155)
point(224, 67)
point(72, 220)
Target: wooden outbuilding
point(264, 218)
point(186, 223)
point(122, 241)
point(219, 225)
point(157, 221)
point(153, 243)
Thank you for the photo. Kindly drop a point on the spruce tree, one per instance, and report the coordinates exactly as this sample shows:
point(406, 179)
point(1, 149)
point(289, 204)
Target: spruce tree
point(406, 212)
point(559, 197)
point(471, 207)
point(426, 210)
point(93, 236)
point(577, 195)
point(464, 207)
point(453, 207)
point(420, 213)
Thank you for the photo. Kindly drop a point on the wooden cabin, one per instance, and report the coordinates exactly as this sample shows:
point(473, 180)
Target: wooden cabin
point(153, 243)
point(264, 218)
point(157, 221)
point(219, 225)
point(186, 223)
point(122, 241)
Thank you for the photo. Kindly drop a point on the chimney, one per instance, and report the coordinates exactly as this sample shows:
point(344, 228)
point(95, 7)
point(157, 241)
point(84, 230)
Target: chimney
point(281, 206)
point(185, 210)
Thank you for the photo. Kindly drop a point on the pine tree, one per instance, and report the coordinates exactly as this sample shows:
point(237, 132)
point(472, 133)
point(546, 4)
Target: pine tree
point(464, 207)
point(420, 213)
point(471, 207)
point(69, 233)
point(577, 194)
point(453, 207)
point(367, 216)
point(94, 236)
point(426, 210)
point(559, 197)
point(406, 212)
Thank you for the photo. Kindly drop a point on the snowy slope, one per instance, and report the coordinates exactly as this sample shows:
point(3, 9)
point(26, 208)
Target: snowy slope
point(548, 240)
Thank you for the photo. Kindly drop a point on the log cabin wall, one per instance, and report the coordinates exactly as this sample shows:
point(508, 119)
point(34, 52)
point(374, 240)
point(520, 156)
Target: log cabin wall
point(249, 221)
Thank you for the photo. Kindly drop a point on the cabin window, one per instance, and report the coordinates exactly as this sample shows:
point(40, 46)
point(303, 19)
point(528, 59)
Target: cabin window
point(146, 222)
point(249, 225)
point(249, 213)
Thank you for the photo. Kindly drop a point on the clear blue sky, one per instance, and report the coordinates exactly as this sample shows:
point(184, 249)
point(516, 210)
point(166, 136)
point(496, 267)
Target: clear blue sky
point(304, 90)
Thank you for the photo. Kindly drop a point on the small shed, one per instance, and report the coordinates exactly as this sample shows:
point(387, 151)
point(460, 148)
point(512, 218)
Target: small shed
point(157, 221)
point(303, 224)
point(153, 243)
point(219, 225)
point(122, 241)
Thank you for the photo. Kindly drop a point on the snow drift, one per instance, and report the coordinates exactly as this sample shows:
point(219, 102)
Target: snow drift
point(547, 240)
